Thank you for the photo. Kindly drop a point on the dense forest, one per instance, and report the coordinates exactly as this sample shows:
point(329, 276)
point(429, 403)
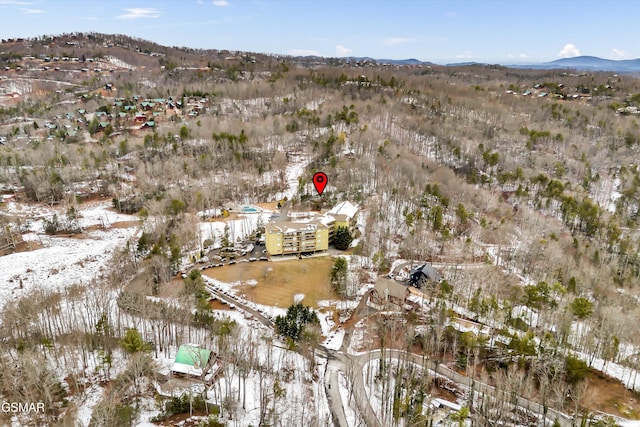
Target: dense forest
point(521, 186)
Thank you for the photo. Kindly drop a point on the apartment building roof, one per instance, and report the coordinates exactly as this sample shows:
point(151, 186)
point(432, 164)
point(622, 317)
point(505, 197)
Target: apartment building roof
point(291, 227)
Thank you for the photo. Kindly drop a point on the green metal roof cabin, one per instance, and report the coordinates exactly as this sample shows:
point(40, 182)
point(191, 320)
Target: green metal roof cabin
point(192, 360)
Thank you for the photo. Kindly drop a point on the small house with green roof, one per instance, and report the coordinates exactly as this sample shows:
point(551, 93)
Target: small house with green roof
point(192, 360)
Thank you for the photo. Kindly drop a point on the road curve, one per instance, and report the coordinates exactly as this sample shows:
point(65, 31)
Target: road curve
point(332, 390)
point(338, 361)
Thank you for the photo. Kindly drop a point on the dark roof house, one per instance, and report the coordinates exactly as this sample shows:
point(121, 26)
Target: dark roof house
point(422, 273)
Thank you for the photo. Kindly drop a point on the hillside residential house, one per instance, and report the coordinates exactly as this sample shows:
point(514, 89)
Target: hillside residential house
point(192, 361)
point(423, 273)
point(149, 124)
point(140, 118)
point(387, 294)
point(343, 214)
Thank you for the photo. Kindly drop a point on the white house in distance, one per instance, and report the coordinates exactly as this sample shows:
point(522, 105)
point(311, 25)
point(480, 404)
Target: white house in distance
point(345, 211)
point(344, 214)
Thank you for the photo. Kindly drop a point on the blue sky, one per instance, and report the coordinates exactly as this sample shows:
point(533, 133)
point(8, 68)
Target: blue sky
point(496, 31)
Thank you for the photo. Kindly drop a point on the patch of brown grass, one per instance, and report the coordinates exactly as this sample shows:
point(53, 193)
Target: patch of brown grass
point(611, 396)
point(271, 206)
point(23, 246)
point(278, 282)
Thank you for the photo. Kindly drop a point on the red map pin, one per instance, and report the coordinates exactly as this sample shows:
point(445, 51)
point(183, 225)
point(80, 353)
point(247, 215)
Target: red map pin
point(320, 181)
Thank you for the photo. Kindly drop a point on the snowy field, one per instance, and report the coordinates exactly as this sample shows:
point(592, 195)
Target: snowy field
point(61, 261)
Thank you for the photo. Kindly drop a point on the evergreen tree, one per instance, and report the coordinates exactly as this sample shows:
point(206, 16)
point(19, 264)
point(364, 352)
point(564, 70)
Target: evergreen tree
point(194, 285)
point(184, 133)
point(342, 238)
point(292, 325)
point(94, 126)
point(226, 241)
point(133, 343)
point(582, 308)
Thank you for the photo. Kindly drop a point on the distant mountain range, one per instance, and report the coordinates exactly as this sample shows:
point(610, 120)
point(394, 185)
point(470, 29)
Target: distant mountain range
point(580, 63)
point(410, 61)
point(589, 63)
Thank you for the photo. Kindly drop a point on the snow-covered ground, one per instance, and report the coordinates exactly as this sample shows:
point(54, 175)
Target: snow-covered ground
point(293, 172)
point(350, 412)
point(100, 214)
point(62, 261)
point(605, 193)
point(91, 399)
point(334, 340)
point(33, 217)
point(239, 228)
point(294, 387)
point(119, 63)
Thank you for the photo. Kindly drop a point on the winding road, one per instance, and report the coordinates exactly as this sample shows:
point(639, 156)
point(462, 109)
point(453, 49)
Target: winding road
point(353, 366)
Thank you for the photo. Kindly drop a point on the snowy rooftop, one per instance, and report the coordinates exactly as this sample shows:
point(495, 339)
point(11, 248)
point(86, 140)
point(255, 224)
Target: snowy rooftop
point(344, 208)
point(291, 227)
point(183, 368)
point(191, 359)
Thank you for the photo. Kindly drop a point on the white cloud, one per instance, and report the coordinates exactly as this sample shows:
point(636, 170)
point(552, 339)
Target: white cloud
point(451, 14)
point(23, 3)
point(140, 12)
point(342, 51)
point(394, 41)
point(304, 52)
point(520, 56)
point(465, 55)
point(32, 11)
point(569, 51)
point(620, 54)
point(221, 3)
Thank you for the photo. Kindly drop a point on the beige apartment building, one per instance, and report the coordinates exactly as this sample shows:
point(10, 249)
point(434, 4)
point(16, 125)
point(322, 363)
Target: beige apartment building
point(292, 237)
point(314, 235)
